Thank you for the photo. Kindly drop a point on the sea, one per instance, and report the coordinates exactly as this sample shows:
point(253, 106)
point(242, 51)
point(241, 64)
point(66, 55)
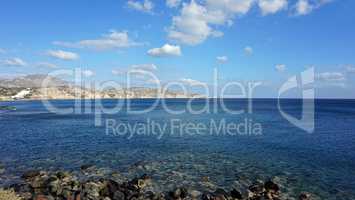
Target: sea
point(203, 143)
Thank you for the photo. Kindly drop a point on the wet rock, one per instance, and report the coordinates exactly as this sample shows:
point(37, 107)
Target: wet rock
point(149, 195)
point(21, 188)
point(271, 186)
point(110, 188)
point(205, 179)
point(235, 194)
point(139, 183)
point(207, 196)
point(43, 197)
point(195, 194)
point(86, 167)
point(2, 169)
point(118, 195)
point(31, 174)
point(179, 193)
point(257, 188)
point(91, 190)
point(304, 196)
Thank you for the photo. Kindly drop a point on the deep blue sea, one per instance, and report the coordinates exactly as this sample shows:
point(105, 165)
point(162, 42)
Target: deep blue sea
point(322, 162)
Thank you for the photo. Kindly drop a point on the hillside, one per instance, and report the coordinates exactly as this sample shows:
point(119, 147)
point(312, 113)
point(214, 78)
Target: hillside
point(60, 89)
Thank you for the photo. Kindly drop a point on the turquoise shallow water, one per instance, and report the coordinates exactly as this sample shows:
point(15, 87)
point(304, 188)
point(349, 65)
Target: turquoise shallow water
point(322, 162)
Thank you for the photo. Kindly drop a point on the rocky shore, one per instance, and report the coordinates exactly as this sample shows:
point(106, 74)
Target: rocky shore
point(62, 185)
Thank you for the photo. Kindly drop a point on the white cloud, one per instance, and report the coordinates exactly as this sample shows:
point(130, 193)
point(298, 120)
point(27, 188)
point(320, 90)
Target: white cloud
point(173, 3)
point(136, 69)
point(280, 67)
point(272, 6)
point(304, 7)
point(64, 55)
point(2, 51)
point(113, 40)
point(88, 73)
point(331, 76)
point(197, 22)
point(46, 65)
point(147, 67)
point(222, 59)
point(230, 7)
point(15, 62)
point(248, 51)
point(166, 50)
point(144, 6)
point(191, 82)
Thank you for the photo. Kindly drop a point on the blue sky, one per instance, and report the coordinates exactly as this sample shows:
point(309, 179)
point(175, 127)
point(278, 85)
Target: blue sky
point(247, 40)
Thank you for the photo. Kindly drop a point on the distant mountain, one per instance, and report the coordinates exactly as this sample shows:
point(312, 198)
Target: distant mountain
point(60, 89)
point(32, 81)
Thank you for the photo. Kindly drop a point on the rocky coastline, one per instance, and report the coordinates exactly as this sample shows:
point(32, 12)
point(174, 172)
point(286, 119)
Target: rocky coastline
point(63, 185)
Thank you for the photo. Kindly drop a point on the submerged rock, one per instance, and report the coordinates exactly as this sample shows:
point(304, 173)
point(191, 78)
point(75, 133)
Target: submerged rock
point(304, 196)
point(235, 194)
point(63, 185)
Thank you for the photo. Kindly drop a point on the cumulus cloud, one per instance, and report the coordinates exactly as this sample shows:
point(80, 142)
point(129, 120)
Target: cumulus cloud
point(272, 6)
point(230, 7)
point(173, 3)
point(280, 67)
point(46, 65)
point(113, 40)
point(164, 51)
point(63, 55)
point(14, 62)
point(144, 6)
point(331, 76)
point(196, 21)
point(191, 82)
point(88, 73)
point(222, 59)
point(304, 7)
point(331, 79)
point(248, 51)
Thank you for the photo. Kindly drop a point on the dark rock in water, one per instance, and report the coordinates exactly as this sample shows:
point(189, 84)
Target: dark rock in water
point(43, 197)
point(65, 186)
point(86, 167)
point(149, 195)
point(118, 195)
point(207, 196)
point(221, 193)
point(31, 174)
point(257, 188)
point(138, 183)
point(271, 186)
point(110, 188)
point(304, 196)
point(2, 169)
point(235, 194)
point(179, 193)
